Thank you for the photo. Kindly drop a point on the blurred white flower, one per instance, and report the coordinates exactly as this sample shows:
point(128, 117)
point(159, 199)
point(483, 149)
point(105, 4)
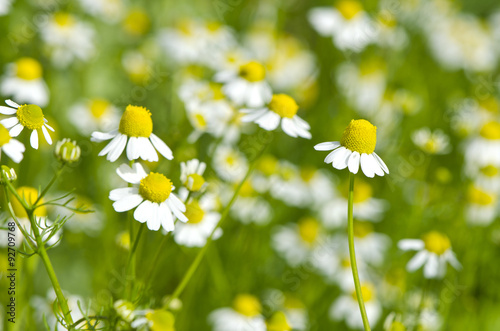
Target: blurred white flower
point(94, 115)
point(432, 142)
point(245, 315)
point(10, 146)
point(192, 175)
point(229, 163)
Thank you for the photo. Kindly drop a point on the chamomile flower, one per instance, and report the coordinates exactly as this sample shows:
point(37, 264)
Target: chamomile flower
point(135, 131)
point(94, 114)
point(10, 146)
point(202, 220)
point(483, 149)
point(152, 195)
point(250, 207)
point(346, 307)
point(481, 208)
point(24, 82)
point(26, 116)
point(192, 174)
point(247, 85)
point(153, 320)
point(245, 315)
point(434, 254)
point(230, 164)
point(355, 148)
point(281, 109)
point(432, 142)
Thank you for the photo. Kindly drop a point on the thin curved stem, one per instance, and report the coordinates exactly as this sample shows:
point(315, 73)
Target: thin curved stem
point(352, 254)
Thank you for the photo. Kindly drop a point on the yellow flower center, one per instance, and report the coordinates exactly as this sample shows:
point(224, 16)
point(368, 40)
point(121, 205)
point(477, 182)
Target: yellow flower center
point(480, 197)
point(368, 292)
point(362, 229)
point(136, 122)
point(30, 116)
point(247, 189)
point(123, 240)
point(436, 242)
point(489, 171)
point(253, 71)
point(4, 135)
point(137, 22)
point(160, 320)
point(213, 26)
point(397, 326)
point(155, 187)
point(491, 131)
point(267, 164)
point(29, 194)
point(278, 322)
point(199, 121)
point(98, 107)
point(349, 8)
point(28, 68)
point(64, 19)
point(360, 136)
point(309, 229)
point(247, 305)
point(216, 89)
point(431, 146)
point(345, 263)
point(283, 105)
point(194, 182)
point(307, 173)
point(490, 104)
point(194, 213)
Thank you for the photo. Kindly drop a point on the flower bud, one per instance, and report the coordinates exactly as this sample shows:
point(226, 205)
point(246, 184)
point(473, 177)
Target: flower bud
point(67, 151)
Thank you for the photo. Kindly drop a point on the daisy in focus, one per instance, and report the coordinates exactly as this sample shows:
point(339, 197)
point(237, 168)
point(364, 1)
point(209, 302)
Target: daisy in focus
point(356, 148)
point(434, 254)
point(432, 142)
point(26, 116)
point(24, 82)
point(247, 85)
point(135, 132)
point(10, 146)
point(152, 195)
point(245, 315)
point(281, 109)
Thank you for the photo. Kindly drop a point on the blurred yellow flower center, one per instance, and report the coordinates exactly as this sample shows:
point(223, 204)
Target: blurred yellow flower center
point(194, 182)
point(489, 171)
point(360, 136)
point(155, 187)
point(137, 22)
point(136, 122)
point(345, 263)
point(231, 159)
point(30, 116)
point(98, 107)
point(362, 192)
point(29, 194)
point(283, 105)
point(199, 121)
point(362, 229)
point(349, 8)
point(28, 68)
point(247, 305)
point(267, 164)
point(278, 322)
point(194, 213)
point(309, 229)
point(387, 19)
point(4, 135)
point(436, 242)
point(490, 104)
point(397, 326)
point(213, 26)
point(64, 19)
point(247, 189)
point(253, 71)
point(307, 173)
point(480, 197)
point(160, 320)
point(123, 240)
point(431, 146)
point(491, 131)
point(367, 291)
point(216, 89)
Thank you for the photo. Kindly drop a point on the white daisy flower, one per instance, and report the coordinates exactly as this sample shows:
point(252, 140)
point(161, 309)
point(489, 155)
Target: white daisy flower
point(287, 185)
point(434, 253)
point(23, 81)
point(245, 315)
point(152, 195)
point(202, 220)
point(94, 115)
point(110, 11)
point(230, 164)
point(250, 207)
point(346, 307)
point(10, 146)
point(192, 175)
point(481, 208)
point(486, 177)
point(67, 39)
point(483, 150)
point(247, 85)
point(135, 132)
point(281, 109)
point(356, 147)
point(26, 116)
point(347, 23)
point(436, 142)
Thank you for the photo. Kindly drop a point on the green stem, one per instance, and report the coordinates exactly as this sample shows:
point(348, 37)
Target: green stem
point(26, 235)
point(194, 265)
point(352, 254)
point(49, 185)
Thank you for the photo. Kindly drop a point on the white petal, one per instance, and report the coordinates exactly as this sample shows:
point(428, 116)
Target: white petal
point(452, 259)
point(377, 168)
point(127, 203)
point(34, 139)
point(133, 148)
point(102, 136)
point(269, 121)
point(154, 218)
point(353, 162)
point(120, 193)
point(167, 220)
point(12, 103)
point(431, 269)
point(339, 160)
point(367, 166)
point(176, 211)
point(130, 175)
point(253, 114)
point(110, 146)
point(161, 147)
point(327, 146)
point(382, 164)
point(48, 126)
point(301, 127)
point(46, 135)
point(144, 212)
point(115, 153)
point(288, 127)
point(13, 152)
point(16, 130)
point(177, 202)
point(411, 244)
point(9, 122)
point(417, 261)
point(147, 151)
point(7, 110)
